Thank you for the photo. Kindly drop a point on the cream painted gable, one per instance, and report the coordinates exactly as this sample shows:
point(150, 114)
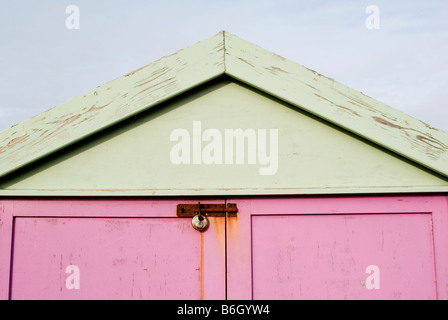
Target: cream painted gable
point(133, 158)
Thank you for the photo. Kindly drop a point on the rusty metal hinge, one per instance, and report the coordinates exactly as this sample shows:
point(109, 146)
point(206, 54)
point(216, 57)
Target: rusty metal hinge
point(208, 210)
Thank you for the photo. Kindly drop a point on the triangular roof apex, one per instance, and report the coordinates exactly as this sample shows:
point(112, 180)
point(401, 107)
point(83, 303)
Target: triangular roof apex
point(223, 53)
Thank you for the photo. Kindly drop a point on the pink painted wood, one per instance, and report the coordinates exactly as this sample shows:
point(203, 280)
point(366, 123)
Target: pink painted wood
point(326, 256)
point(276, 247)
point(117, 249)
point(321, 248)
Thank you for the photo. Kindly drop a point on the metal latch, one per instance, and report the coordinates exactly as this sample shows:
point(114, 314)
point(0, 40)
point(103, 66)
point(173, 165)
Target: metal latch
point(207, 210)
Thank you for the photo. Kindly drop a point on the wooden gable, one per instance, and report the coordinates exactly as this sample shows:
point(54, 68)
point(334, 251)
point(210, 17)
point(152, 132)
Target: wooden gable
point(115, 139)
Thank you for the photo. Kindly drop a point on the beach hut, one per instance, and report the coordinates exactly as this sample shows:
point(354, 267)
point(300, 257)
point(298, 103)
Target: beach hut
point(223, 171)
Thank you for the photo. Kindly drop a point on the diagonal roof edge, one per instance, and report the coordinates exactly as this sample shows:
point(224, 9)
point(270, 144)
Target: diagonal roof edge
point(337, 104)
point(111, 103)
point(221, 54)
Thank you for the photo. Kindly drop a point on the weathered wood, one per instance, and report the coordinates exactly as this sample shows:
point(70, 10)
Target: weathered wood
point(242, 267)
point(134, 159)
point(138, 249)
point(337, 103)
point(110, 103)
point(221, 54)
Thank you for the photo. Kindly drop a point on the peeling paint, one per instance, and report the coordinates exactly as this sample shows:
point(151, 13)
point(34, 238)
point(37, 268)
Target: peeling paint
point(17, 140)
point(135, 71)
point(245, 61)
point(386, 123)
point(169, 76)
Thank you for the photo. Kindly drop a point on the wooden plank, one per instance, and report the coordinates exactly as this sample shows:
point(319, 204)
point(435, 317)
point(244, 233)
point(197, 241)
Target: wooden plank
point(303, 88)
point(50, 235)
point(337, 103)
point(331, 257)
point(439, 228)
point(221, 192)
point(6, 235)
point(110, 103)
point(240, 233)
point(312, 157)
point(116, 258)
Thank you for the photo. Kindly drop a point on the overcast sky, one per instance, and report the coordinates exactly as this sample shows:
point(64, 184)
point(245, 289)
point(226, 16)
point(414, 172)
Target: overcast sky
point(404, 63)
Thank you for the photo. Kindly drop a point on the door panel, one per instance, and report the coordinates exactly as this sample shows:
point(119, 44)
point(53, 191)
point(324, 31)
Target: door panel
point(117, 258)
point(338, 248)
point(142, 253)
point(326, 257)
point(275, 248)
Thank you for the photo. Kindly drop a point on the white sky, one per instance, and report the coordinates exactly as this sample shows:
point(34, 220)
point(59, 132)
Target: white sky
point(403, 64)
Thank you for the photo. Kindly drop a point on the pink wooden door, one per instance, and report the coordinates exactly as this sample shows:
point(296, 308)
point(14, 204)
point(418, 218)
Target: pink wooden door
point(277, 248)
point(110, 249)
point(338, 248)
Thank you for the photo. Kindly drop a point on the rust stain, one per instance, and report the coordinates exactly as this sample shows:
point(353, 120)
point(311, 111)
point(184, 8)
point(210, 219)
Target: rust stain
point(233, 225)
point(201, 271)
point(219, 228)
